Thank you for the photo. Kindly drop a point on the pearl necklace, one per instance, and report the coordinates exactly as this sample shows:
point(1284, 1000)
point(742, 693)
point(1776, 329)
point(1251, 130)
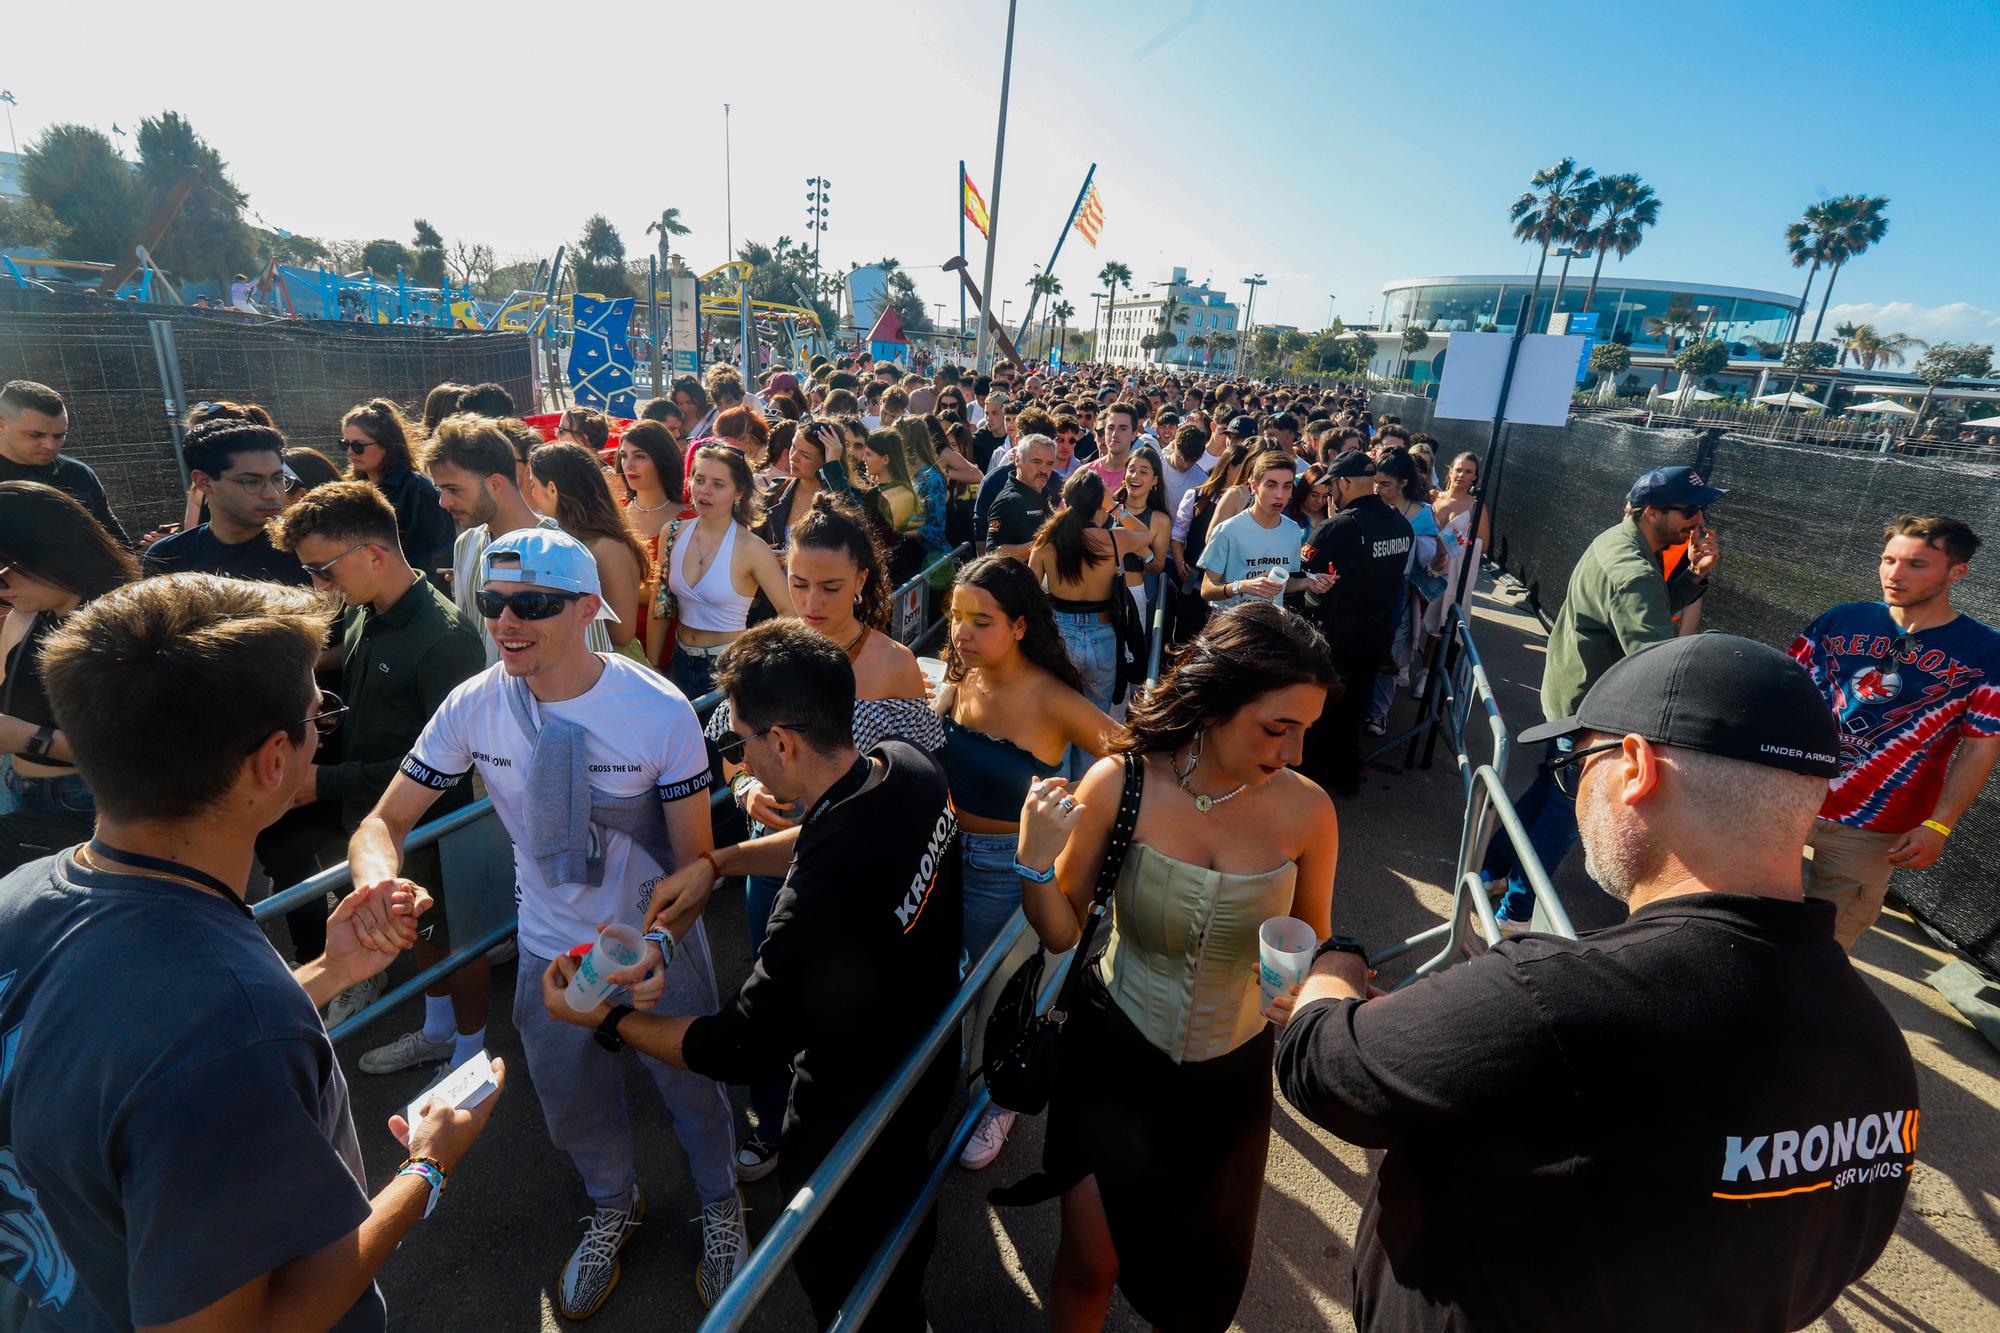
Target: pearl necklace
point(651, 509)
point(1202, 801)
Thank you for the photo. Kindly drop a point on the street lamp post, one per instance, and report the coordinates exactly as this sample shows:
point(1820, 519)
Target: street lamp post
point(816, 210)
point(1565, 254)
point(1329, 310)
point(728, 191)
point(1249, 308)
point(993, 209)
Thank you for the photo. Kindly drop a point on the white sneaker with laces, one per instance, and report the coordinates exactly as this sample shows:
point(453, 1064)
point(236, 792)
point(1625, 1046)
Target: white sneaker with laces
point(592, 1271)
point(354, 999)
point(989, 1136)
point(405, 1052)
point(724, 1241)
point(1509, 927)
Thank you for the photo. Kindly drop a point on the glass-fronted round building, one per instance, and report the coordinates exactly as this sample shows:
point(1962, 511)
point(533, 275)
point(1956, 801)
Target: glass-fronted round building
point(1463, 304)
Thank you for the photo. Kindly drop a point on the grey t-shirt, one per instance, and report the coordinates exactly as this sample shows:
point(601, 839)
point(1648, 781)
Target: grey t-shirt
point(173, 1122)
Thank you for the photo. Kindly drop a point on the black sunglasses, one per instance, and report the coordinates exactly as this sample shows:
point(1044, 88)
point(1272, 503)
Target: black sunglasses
point(524, 605)
point(1567, 769)
point(731, 747)
point(355, 446)
point(325, 721)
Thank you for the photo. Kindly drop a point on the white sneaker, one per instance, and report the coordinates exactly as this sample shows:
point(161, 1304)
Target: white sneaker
point(724, 1241)
point(989, 1136)
point(592, 1271)
point(354, 999)
point(1509, 927)
point(756, 1159)
point(406, 1052)
point(1376, 726)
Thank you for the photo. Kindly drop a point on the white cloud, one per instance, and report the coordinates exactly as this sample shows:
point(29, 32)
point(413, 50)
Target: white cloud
point(1961, 321)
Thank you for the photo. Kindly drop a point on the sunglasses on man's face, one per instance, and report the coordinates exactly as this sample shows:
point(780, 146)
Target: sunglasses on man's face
point(524, 605)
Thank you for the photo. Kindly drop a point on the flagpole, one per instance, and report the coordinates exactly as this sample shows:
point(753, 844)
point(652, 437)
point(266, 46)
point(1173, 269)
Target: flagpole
point(1035, 294)
point(993, 210)
point(961, 245)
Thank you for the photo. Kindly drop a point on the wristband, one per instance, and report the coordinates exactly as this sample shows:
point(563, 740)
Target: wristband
point(713, 864)
point(431, 1172)
point(738, 783)
point(1034, 876)
point(1942, 830)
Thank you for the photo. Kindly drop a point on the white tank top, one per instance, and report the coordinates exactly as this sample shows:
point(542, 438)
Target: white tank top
point(713, 603)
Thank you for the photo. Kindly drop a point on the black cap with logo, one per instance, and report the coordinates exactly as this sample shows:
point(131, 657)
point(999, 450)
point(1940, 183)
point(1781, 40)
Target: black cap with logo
point(1717, 693)
point(1353, 463)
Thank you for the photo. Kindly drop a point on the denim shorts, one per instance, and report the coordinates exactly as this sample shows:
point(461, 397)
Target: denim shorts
point(1092, 646)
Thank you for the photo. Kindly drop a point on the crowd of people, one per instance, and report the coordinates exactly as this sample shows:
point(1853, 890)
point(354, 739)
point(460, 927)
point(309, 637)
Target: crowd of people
point(601, 629)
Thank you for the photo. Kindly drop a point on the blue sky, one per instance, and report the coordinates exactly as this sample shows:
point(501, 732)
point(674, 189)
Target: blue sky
point(1331, 146)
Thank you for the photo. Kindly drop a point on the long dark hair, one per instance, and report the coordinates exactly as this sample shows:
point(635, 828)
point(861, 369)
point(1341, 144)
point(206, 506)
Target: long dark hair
point(1013, 585)
point(1220, 478)
point(657, 443)
point(584, 506)
point(1155, 500)
point(1242, 654)
point(54, 539)
point(383, 422)
point(1067, 531)
point(832, 523)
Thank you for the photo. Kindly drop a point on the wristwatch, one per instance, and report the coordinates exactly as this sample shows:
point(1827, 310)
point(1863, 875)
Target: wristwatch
point(41, 742)
point(1341, 944)
point(607, 1031)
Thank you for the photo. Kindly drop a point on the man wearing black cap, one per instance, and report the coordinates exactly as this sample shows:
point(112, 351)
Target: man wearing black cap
point(1703, 1117)
point(1620, 600)
point(1365, 544)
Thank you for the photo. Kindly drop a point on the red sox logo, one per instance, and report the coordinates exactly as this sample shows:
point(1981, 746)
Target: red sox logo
point(1874, 685)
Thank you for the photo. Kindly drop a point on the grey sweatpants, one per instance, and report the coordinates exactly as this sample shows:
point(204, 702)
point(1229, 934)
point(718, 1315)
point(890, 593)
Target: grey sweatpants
point(582, 1088)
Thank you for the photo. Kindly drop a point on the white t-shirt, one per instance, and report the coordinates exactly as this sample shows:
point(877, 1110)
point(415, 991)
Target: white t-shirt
point(1243, 549)
point(1179, 483)
point(640, 735)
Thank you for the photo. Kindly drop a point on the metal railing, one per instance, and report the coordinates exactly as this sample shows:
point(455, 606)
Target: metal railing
point(1458, 682)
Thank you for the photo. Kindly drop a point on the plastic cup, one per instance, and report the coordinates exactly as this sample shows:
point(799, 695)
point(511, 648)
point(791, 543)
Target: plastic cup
point(618, 947)
point(1279, 576)
point(1285, 947)
point(933, 669)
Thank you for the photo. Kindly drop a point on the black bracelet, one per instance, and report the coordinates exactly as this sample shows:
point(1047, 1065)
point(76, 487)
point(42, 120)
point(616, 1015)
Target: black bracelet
point(1341, 944)
point(607, 1031)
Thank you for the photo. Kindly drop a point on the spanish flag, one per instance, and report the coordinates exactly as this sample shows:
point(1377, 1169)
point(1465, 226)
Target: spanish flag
point(1090, 217)
point(975, 207)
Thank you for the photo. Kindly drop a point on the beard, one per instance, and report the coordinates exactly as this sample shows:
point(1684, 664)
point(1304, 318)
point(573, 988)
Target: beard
point(1615, 851)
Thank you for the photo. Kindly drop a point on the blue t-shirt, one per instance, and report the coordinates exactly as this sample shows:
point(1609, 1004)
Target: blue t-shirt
point(1902, 702)
point(173, 1122)
point(1243, 548)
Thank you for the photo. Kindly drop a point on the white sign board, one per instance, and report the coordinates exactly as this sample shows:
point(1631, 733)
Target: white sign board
point(683, 305)
point(1544, 378)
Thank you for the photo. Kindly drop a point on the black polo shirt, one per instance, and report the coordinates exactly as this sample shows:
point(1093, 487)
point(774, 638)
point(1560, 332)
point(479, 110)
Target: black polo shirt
point(74, 478)
point(395, 669)
point(1017, 514)
point(200, 551)
point(1367, 544)
point(1702, 1118)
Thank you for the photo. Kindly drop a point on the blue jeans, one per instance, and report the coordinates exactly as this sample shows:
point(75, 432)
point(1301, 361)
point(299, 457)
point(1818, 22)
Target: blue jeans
point(1092, 645)
point(43, 816)
point(1550, 816)
point(992, 891)
point(692, 675)
point(769, 1097)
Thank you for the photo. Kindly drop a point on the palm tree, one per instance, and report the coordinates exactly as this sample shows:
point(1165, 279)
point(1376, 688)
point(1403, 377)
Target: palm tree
point(1857, 222)
point(1041, 284)
point(1113, 275)
point(1844, 334)
point(1172, 313)
point(1620, 208)
point(668, 227)
point(1681, 318)
point(1872, 349)
point(1548, 218)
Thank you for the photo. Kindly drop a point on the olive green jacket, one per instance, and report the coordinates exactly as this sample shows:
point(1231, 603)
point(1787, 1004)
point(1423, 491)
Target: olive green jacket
point(1619, 601)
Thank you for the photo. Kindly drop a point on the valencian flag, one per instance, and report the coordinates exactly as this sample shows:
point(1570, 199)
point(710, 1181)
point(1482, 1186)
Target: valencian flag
point(1090, 217)
point(975, 207)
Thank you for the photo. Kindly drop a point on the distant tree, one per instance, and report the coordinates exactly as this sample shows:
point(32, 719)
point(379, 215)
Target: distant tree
point(1616, 212)
point(208, 237)
point(1263, 349)
point(427, 252)
point(1113, 275)
point(1811, 356)
point(75, 173)
point(506, 279)
point(599, 264)
point(470, 263)
point(1872, 349)
point(1698, 360)
point(1550, 217)
point(383, 257)
point(1854, 223)
point(301, 251)
point(26, 225)
point(1950, 361)
point(667, 226)
point(1608, 361)
point(909, 303)
point(1414, 341)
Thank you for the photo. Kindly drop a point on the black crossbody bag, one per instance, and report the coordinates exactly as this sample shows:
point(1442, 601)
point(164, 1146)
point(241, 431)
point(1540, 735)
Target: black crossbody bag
point(1024, 1047)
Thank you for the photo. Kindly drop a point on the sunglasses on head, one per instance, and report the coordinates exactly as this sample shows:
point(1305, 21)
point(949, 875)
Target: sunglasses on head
point(524, 605)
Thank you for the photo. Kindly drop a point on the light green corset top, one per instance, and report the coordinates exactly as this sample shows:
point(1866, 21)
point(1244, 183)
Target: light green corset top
point(1182, 962)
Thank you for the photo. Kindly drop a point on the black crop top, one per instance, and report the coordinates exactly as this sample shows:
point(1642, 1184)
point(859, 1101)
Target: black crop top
point(22, 695)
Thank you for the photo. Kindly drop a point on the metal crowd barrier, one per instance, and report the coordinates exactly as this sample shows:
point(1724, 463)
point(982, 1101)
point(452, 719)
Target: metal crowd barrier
point(1457, 684)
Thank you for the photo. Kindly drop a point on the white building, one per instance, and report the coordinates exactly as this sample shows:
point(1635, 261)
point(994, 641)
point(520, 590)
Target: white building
point(1196, 311)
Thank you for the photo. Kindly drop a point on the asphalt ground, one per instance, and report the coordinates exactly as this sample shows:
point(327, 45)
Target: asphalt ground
point(489, 1258)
